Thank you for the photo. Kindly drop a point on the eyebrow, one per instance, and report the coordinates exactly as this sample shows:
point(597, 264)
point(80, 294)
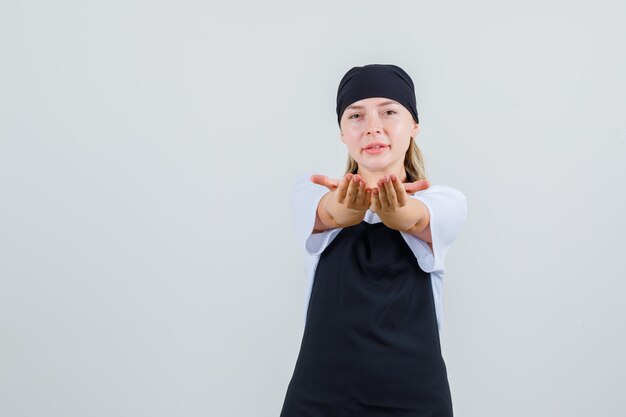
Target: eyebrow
point(384, 103)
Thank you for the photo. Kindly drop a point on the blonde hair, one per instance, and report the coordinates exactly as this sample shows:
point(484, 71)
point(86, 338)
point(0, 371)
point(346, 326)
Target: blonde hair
point(413, 163)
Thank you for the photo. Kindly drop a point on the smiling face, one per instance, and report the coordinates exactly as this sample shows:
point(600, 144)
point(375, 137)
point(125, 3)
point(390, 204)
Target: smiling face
point(383, 121)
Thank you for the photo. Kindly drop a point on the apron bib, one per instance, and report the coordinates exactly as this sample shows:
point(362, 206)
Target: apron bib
point(370, 345)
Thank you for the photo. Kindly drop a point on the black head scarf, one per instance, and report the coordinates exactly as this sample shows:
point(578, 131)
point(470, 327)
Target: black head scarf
point(376, 80)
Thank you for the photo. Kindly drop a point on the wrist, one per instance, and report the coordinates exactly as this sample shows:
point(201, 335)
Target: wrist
point(402, 219)
point(349, 217)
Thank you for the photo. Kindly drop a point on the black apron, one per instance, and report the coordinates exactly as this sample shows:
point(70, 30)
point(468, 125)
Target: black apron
point(371, 344)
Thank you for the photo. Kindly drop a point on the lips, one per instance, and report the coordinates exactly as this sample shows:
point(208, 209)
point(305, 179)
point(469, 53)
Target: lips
point(374, 145)
point(374, 150)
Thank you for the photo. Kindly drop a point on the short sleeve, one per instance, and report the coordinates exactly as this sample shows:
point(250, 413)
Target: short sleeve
point(447, 207)
point(305, 197)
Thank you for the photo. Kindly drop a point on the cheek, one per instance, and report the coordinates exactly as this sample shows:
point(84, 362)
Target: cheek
point(352, 131)
point(352, 145)
point(402, 137)
point(350, 138)
point(401, 145)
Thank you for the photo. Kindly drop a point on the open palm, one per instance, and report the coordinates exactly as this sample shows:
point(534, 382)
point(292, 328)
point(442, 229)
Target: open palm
point(354, 194)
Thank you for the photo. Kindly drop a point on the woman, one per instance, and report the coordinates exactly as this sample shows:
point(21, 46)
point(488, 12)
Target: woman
point(376, 243)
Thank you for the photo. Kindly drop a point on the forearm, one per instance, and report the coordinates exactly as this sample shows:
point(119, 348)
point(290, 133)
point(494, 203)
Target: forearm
point(333, 214)
point(413, 216)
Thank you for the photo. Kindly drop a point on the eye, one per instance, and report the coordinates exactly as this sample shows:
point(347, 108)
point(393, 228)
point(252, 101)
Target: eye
point(392, 111)
point(355, 114)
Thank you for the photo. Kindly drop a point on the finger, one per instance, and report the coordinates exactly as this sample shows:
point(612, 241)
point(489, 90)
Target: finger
point(320, 179)
point(343, 188)
point(415, 186)
point(390, 192)
point(352, 192)
point(367, 198)
point(375, 203)
point(361, 194)
point(382, 195)
point(399, 191)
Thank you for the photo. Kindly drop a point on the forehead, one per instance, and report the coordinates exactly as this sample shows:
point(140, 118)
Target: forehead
point(372, 102)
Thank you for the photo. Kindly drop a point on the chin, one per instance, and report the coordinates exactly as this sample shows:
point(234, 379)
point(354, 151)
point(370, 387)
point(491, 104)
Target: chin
point(380, 166)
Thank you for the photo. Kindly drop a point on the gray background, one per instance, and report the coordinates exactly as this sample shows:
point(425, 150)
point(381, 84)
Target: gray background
point(147, 260)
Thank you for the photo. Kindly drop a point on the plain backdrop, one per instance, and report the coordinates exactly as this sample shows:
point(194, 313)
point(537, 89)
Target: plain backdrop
point(148, 265)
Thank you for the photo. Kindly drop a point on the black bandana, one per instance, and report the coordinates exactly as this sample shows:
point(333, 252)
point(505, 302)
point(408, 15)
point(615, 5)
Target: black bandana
point(376, 80)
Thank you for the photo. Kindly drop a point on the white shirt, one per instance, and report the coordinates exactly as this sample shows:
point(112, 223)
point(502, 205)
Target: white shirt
point(447, 207)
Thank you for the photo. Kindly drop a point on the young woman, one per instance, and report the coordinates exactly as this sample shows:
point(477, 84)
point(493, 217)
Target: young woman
point(375, 243)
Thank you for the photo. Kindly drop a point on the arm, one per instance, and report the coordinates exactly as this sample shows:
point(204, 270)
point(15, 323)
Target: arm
point(421, 228)
point(447, 209)
point(345, 205)
point(400, 212)
point(331, 215)
point(413, 218)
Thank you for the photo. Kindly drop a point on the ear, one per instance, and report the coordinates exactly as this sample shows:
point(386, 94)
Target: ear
point(415, 129)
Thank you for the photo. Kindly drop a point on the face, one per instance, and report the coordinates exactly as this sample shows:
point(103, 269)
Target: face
point(378, 120)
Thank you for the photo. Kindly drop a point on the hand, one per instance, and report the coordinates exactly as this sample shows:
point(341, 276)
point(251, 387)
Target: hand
point(351, 192)
point(389, 196)
point(413, 187)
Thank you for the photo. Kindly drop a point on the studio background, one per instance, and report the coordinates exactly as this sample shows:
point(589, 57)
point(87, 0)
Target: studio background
point(147, 260)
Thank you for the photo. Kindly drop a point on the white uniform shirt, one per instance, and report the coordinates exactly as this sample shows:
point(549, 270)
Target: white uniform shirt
point(447, 207)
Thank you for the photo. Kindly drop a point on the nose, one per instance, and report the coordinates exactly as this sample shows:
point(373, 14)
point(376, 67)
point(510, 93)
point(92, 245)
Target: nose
point(373, 126)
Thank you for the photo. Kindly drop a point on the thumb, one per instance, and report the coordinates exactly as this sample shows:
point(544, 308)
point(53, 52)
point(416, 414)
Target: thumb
point(412, 187)
point(325, 181)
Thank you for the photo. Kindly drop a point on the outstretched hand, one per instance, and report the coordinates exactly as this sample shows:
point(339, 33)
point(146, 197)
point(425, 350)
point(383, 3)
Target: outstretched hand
point(391, 194)
point(385, 197)
point(351, 192)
